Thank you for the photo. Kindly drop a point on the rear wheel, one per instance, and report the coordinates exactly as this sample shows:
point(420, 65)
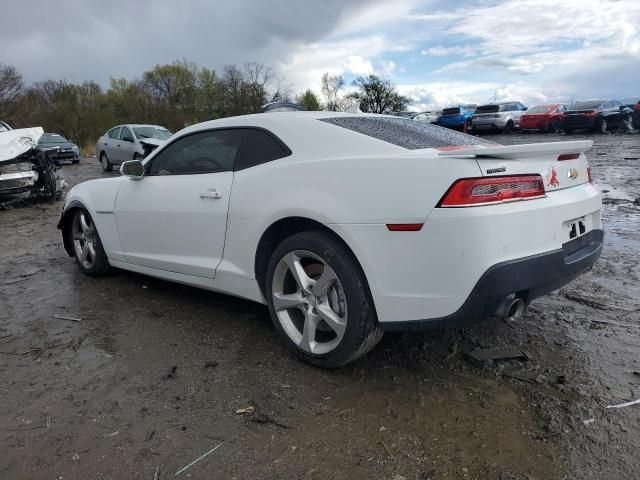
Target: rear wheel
point(90, 255)
point(107, 166)
point(319, 300)
point(508, 128)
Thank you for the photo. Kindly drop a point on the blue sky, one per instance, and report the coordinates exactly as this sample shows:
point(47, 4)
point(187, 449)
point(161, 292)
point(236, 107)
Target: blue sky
point(437, 52)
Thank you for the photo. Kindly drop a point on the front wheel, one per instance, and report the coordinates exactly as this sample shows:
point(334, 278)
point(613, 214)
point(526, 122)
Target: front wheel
point(87, 247)
point(319, 300)
point(602, 126)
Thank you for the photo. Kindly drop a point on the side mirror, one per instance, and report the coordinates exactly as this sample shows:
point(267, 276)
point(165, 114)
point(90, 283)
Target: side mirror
point(132, 169)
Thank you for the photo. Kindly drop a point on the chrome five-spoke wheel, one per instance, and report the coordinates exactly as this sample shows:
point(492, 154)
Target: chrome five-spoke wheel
point(84, 239)
point(309, 302)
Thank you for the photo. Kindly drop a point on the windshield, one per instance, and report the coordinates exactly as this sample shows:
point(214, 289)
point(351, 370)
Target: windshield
point(52, 138)
point(152, 132)
point(587, 105)
point(405, 133)
point(488, 109)
point(541, 109)
point(451, 111)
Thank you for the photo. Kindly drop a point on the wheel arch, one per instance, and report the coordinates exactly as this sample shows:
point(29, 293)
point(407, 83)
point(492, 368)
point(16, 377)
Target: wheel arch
point(64, 225)
point(284, 228)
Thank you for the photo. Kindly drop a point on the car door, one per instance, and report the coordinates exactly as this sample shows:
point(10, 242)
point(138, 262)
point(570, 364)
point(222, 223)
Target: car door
point(175, 217)
point(109, 141)
point(126, 145)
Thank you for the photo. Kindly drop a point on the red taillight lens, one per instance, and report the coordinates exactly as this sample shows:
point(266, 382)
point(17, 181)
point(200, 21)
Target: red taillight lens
point(404, 227)
point(637, 107)
point(568, 156)
point(589, 175)
point(468, 192)
point(591, 114)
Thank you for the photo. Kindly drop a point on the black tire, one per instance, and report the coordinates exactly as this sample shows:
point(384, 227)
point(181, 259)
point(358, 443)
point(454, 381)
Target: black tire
point(508, 128)
point(75, 162)
point(107, 166)
point(362, 331)
point(100, 263)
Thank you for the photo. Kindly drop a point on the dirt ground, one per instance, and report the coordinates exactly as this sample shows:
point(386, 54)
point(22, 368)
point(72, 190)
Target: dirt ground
point(151, 377)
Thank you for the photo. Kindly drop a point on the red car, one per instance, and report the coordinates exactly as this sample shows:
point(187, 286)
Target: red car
point(544, 118)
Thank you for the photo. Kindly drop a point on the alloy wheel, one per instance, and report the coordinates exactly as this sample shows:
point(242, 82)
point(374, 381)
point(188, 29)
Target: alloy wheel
point(84, 239)
point(309, 302)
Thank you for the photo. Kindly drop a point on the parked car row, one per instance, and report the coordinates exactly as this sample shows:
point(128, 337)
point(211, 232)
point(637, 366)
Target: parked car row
point(593, 115)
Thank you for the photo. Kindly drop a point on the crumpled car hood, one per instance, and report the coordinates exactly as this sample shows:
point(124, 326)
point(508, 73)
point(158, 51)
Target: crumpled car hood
point(16, 142)
point(156, 142)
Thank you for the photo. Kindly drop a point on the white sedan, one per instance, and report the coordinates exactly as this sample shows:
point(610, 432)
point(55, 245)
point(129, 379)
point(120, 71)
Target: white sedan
point(345, 225)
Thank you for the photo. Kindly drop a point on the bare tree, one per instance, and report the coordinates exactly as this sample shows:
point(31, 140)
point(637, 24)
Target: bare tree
point(330, 89)
point(11, 90)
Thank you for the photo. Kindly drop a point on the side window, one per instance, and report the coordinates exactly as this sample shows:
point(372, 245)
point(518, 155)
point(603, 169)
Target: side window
point(125, 135)
point(203, 152)
point(521, 107)
point(260, 147)
point(114, 133)
point(561, 109)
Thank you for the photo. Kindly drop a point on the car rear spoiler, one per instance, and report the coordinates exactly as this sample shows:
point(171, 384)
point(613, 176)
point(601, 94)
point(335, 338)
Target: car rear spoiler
point(513, 152)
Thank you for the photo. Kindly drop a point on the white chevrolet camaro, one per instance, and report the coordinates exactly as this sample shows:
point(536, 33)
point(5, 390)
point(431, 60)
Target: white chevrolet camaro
point(345, 225)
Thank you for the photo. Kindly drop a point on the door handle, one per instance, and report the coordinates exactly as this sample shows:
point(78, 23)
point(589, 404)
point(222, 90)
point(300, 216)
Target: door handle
point(211, 194)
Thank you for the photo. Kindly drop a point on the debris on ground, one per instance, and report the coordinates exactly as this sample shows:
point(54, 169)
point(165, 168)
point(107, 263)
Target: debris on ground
point(196, 460)
point(483, 357)
point(64, 317)
point(171, 374)
point(210, 364)
point(588, 421)
point(242, 411)
point(156, 474)
point(623, 405)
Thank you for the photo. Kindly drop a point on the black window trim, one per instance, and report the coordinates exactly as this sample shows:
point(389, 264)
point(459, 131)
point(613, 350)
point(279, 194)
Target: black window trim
point(147, 166)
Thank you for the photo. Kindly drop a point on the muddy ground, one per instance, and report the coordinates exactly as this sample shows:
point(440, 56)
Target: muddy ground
point(97, 399)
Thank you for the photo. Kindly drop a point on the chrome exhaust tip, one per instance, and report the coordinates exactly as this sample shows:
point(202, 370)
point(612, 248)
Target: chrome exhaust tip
point(515, 310)
point(511, 308)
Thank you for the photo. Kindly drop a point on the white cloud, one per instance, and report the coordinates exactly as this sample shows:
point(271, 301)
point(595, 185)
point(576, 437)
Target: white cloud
point(358, 65)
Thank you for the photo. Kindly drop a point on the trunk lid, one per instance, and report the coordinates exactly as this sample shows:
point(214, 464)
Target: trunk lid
point(540, 158)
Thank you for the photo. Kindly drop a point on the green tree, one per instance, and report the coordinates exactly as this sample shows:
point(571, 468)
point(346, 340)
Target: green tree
point(308, 100)
point(377, 95)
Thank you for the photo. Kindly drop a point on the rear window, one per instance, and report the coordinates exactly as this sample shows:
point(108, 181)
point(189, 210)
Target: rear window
point(451, 111)
point(488, 109)
point(587, 105)
point(541, 109)
point(405, 133)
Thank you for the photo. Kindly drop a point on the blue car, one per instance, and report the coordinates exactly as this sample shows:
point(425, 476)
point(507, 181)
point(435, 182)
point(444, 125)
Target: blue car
point(458, 118)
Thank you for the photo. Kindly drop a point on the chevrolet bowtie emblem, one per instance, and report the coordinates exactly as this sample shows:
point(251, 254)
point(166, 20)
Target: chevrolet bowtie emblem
point(572, 173)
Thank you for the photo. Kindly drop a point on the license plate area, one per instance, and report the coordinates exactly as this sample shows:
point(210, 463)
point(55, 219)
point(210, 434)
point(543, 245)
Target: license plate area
point(577, 227)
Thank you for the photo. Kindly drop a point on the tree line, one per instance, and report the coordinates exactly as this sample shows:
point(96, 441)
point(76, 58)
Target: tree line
point(174, 95)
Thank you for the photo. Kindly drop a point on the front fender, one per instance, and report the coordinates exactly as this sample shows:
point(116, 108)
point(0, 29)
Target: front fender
point(98, 198)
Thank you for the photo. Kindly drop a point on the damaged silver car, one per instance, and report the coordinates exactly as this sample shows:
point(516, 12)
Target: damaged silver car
point(26, 167)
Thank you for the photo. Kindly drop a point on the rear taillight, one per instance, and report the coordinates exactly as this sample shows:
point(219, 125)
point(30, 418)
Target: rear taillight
point(468, 192)
point(568, 156)
point(637, 107)
point(589, 175)
point(591, 114)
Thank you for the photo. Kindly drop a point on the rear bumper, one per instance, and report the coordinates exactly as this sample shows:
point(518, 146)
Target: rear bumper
point(488, 123)
point(529, 278)
point(579, 123)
